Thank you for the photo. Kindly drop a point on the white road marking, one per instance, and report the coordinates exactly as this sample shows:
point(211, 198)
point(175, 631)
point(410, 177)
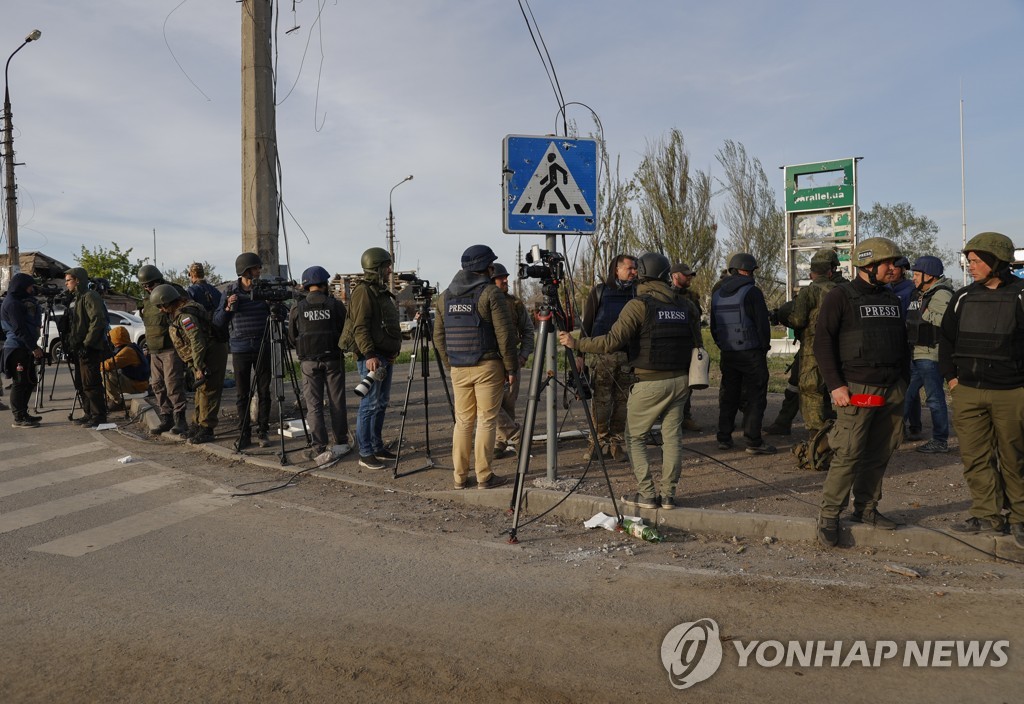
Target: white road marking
point(37, 481)
point(32, 515)
point(42, 458)
point(133, 526)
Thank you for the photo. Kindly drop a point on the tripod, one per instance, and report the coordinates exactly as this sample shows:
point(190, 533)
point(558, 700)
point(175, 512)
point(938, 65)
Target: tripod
point(423, 342)
point(548, 314)
point(47, 317)
point(274, 343)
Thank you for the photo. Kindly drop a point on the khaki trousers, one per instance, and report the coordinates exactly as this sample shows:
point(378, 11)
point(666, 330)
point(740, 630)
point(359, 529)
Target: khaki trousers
point(478, 392)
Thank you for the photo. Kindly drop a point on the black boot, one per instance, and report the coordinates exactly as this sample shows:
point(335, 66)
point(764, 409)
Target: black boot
point(166, 423)
point(180, 426)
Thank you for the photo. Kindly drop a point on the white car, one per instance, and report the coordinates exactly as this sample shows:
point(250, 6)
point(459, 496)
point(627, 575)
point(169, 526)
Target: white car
point(133, 323)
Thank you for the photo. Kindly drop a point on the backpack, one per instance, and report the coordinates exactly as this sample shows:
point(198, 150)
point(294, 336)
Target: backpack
point(814, 454)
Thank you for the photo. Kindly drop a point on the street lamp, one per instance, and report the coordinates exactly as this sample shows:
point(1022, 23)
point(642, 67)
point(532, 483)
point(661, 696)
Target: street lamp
point(9, 187)
point(391, 233)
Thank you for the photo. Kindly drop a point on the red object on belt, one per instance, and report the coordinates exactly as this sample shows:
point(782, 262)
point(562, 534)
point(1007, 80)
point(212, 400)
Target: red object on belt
point(867, 400)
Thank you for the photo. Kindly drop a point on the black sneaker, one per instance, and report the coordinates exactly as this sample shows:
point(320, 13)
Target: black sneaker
point(370, 462)
point(977, 526)
point(828, 532)
point(762, 449)
point(668, 503)
point(24, 423)
point(203, 435)
point(84, 420)
point(385, 455)
point(492, 482)
point(874, 519)
point(95, 423)
point(725, 444)
point(640, 501)
point(261, 438)
point(34, 419)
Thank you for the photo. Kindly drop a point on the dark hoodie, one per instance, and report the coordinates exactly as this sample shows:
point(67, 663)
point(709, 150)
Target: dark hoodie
point(493, 308)
point(753, 304)
point(19, 317)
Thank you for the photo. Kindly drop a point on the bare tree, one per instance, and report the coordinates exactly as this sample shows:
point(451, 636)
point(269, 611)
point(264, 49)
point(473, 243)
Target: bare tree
point(674, 213)
point(754, 219)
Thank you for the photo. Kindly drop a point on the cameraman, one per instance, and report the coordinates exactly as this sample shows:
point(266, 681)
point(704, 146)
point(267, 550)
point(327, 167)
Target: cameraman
point(314, 326)
point(246, 321)
point(476, 336)
point(373, 335)
point(87, 342)
point(19, 319)
point(508, 430)
point(166, 370)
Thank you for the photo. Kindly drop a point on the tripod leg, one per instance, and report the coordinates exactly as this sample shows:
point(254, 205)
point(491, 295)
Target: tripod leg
point(405, 406)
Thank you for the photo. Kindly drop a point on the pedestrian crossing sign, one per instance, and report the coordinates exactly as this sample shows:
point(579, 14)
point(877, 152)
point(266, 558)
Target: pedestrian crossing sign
point(549, 185)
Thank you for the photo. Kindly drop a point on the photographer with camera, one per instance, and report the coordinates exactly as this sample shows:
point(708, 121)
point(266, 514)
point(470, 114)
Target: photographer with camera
point(508, 430)
point(200, 346)
point(87, 342)
point(314, 325)
point(476, 336)
point(373, 335)
point(245, 319)
point(657, 331)
point(166, 370)
point(20, 322)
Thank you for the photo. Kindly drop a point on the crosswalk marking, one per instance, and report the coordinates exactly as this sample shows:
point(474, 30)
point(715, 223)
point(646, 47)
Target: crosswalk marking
point(5, 446)
point(44, 457)
point(32, 515)
point(134, 526)
point(37, 481)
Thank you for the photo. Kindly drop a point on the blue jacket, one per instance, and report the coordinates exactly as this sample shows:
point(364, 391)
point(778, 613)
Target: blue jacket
point(19, 317)
point(206, 295)
point(247, 323)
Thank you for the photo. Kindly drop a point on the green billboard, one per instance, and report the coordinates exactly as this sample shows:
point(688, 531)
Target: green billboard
point(820, 186)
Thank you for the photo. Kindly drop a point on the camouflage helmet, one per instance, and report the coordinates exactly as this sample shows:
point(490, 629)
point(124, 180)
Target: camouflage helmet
point(246, 261)
point(374, 258)
point(653, 266)
point(148, 274)
point(164, 294)
point(874, 250)
point(998, 245)
point(824, 260)
point(744, 261)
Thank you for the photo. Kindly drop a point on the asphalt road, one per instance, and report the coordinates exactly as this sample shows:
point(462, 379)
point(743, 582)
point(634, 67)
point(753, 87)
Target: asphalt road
point(149, 582)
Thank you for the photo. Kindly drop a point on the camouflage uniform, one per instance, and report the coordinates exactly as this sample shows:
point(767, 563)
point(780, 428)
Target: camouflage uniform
point(814, 404)
point(193, 337)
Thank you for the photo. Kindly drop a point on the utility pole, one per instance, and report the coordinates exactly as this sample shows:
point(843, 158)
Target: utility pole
point(259, 136)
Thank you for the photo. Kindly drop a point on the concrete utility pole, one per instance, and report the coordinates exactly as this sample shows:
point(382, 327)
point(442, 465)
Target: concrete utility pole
point(259, 137)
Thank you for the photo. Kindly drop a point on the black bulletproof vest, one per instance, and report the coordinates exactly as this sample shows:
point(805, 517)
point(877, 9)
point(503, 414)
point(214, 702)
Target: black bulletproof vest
point(919, 331)
point(666, 338)
point(318, 332)
point(876, 336)
point(988, 324)
point(467, 335)
point(737, 331)
point(613, 300)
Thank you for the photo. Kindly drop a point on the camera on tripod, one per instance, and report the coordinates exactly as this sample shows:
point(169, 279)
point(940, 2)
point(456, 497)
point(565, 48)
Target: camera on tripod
point(51, 291)
point(422, 291)
point(273, 290)
point(543, 264)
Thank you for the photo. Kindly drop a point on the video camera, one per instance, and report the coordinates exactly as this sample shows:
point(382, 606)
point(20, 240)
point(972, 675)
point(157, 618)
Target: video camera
point(273, 290)
point(545, 265)
point(99, 285)
point(422, 291)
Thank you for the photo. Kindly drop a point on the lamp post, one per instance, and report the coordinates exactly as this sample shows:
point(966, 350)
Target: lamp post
point(9, 187)
point(391, 233)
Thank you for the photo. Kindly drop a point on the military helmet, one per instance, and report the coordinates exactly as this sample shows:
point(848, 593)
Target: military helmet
point(874, 250)
point(315, 276)
point(148, 274)
point(478, 258)
point(825, 257)
point(374, 258)
point(744, 261)
point(499, 271)
point(927, 264)
point(902, 262)
point(246, 261)
point(998, 245)
point(652, 265)
point(164, 294)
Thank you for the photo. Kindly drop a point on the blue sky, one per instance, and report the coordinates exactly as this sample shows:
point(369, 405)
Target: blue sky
point(116, 141)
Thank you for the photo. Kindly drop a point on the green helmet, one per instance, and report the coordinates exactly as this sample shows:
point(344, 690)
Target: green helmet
point(148, 274)
point(825, 257)
point(164, 294)
point(246, 261)
point(874, 250)
point(374, 258)
point(998, 245)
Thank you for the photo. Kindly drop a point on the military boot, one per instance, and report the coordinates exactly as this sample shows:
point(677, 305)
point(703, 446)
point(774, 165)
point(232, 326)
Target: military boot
point(180, 426)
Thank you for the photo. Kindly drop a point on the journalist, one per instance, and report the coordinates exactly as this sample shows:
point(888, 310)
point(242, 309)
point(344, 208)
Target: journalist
point(19, 319)
point(87, 342)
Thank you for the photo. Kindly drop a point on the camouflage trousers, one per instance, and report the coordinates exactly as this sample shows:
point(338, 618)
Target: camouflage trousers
point(815, 401)
point(611, 377)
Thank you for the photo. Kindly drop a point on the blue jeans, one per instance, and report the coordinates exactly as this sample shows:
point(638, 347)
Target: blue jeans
point(925, 372)
point(370, 421)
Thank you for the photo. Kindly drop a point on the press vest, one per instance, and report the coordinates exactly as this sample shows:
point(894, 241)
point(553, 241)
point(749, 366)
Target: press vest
point(613, 300)
point(919, 331)
point(737, 331)
point(140, 371)
point(467, 335)
point(876, 335)
point(988, 324)
point(318, 330)
point(666, 338)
